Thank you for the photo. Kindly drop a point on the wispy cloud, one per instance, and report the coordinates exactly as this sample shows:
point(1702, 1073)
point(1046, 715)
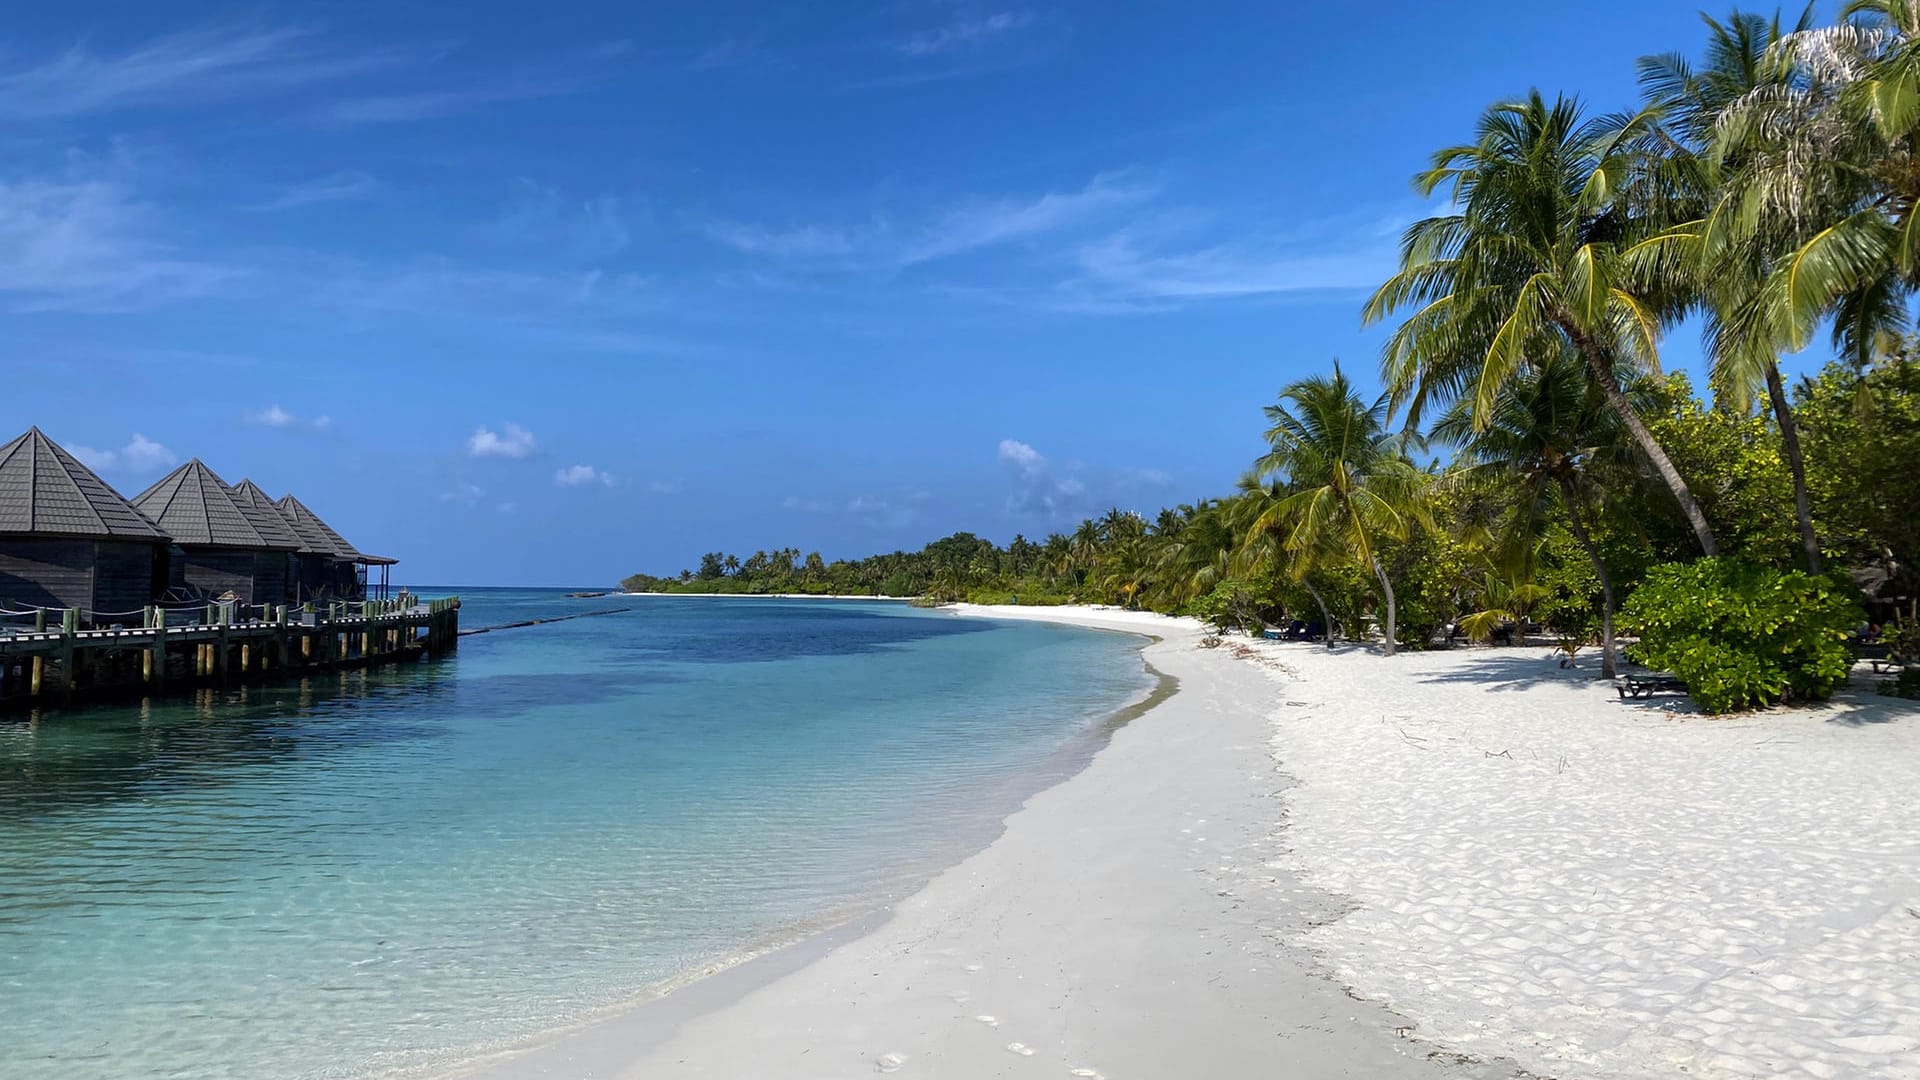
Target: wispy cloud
point(792, 242)
point(969, 226)
point(274, 416)
point(552, 77)
point(966, 33)
point(1117, 266)
point(87, 245)
point(998, 221)
point(732, 52)
point(583, 475)
point(140, 455)
point(195, 66)
point(541, 217)
point(511, 441)
point(334, 187)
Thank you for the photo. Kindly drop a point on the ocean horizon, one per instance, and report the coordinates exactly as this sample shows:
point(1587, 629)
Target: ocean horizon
point(390, 871)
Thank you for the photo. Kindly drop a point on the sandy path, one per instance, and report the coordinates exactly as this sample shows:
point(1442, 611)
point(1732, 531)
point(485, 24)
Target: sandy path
point(1129, 923)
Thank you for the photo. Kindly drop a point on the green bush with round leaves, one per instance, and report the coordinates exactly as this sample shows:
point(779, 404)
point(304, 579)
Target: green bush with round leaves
point(1741, 635)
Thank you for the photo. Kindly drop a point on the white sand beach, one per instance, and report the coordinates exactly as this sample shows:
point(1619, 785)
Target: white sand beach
point(1458, 864)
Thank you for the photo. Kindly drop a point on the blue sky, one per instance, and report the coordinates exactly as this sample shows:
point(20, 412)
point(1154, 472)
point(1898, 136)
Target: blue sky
point(551, 302)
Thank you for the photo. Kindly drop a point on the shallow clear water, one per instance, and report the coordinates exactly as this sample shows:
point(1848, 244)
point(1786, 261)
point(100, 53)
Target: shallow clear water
point(373, 872)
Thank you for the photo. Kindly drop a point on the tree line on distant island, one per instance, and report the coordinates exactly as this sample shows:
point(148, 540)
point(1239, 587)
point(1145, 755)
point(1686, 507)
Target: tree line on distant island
point(1527, 461)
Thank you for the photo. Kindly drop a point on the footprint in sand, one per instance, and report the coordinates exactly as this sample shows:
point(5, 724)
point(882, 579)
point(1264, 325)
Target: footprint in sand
point(990, 1021)
point(887, 1063)
point(973, 967)
point(1089, 1074)
point(1021, 1048)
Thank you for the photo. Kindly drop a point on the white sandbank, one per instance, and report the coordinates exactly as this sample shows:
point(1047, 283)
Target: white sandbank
point(1126, 924)
point(1508, 866)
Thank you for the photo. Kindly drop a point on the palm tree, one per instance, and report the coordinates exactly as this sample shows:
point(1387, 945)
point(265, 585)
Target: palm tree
point(1725, 270)
point(1348, 480)
point(1546, 432)
point(1193, 551)
point(1530, 265)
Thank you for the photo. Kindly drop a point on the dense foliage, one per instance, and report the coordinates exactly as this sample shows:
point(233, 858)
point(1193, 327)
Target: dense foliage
point(1529, 466)
point(1742, 635)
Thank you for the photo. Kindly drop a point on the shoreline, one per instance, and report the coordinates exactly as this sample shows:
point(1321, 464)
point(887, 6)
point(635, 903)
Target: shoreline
point(1020, 936)
point(770, 596)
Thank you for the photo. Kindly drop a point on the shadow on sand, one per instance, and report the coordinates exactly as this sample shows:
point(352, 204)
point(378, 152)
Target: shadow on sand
point(1857, 704)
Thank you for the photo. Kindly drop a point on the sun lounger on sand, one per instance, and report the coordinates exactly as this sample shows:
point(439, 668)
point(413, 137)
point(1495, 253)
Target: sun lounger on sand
point(1639, 686)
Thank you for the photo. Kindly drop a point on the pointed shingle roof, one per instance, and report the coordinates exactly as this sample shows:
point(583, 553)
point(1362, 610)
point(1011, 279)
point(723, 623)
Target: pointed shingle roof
point(195, 507)
point(46, 491)
point(317, 533)
point(265, 517)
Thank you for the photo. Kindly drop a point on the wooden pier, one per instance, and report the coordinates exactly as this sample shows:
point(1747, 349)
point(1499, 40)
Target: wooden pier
point(55, 661)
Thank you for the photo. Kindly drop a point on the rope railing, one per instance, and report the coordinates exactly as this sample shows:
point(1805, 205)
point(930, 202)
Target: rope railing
point(187, 614)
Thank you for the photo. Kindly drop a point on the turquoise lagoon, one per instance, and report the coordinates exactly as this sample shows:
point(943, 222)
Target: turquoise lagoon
point(386, 872)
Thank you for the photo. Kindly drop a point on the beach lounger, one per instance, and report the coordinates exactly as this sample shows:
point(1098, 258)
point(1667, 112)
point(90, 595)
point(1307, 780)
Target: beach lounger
point(1640, 686)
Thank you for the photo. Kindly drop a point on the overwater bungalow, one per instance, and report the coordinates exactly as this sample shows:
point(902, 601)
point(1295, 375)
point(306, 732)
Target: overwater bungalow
point(68, 540)
point(330, 566)
point(219, 552)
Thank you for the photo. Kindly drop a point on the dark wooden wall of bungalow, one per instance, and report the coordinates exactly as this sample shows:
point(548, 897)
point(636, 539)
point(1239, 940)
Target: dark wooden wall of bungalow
point(255, 577)
point(321, 577)
point(104, 576)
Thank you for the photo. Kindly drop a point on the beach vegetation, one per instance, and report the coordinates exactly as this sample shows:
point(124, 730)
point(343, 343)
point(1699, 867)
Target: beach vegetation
point(1741, 635)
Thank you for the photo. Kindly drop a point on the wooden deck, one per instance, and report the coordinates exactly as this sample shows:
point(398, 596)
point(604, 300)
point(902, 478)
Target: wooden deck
point(55, 661)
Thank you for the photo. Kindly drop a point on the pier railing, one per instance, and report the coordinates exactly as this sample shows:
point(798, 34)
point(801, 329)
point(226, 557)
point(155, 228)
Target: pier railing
point(70, 652)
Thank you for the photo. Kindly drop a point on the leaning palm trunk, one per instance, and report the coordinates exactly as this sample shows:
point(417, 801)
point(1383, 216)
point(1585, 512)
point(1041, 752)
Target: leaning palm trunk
point(1386, 589)
point(1608, 665)
point(1603, 374)
point(1790, 445)
point(1324, 613)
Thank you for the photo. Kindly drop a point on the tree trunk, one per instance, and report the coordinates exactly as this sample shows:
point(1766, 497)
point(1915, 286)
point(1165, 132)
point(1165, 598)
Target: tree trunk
point(1602, 369)
point(1324, 613)
point(1790, 445)
point(1387, 588)
point(1609, 667)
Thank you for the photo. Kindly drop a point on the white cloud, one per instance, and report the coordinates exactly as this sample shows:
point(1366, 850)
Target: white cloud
point(334, 187)
point(464, 493)
point(140, 455)
point(274, 416)
point(206, 64)
point(512, 441)
point(1015, 452)
point(578, 475)
point(1039, 489)
point(966, 33)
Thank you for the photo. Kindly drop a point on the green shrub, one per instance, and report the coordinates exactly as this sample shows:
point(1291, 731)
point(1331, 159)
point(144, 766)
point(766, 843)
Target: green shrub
point(1742, 635)
point(1232, 605)
point(1906, 684)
